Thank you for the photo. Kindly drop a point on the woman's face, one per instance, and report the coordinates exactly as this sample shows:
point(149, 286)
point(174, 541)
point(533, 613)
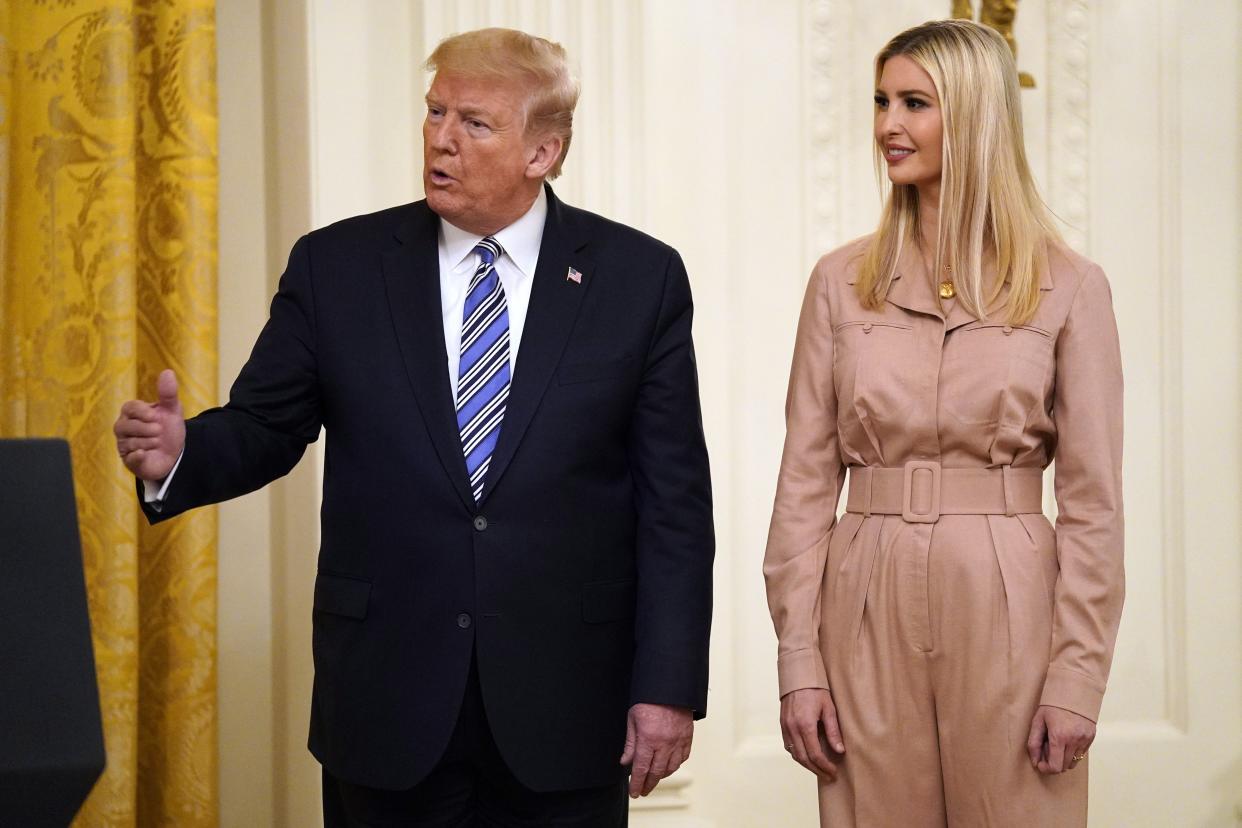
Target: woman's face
point(908, 126)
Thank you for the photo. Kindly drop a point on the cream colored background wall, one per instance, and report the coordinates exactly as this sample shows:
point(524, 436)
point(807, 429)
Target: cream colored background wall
point(739, 132)
point(245, 642)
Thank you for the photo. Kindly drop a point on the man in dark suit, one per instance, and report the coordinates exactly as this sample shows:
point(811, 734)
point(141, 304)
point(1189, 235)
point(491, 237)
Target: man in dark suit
point(514, 590)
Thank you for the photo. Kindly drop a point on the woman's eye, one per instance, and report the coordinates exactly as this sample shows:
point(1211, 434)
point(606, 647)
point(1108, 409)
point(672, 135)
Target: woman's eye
point(881, 101)
point(915, 103)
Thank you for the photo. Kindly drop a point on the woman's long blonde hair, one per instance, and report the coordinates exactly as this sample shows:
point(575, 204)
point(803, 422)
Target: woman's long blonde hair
point(987, 195)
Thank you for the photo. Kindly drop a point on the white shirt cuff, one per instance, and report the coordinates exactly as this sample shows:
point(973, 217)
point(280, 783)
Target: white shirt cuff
point(154, 492)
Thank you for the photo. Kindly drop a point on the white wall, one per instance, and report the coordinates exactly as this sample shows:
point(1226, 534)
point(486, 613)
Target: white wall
point(740, 133)
point(244, 638)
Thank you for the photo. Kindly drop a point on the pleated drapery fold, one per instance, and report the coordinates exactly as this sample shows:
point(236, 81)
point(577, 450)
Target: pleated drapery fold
point(108, 195)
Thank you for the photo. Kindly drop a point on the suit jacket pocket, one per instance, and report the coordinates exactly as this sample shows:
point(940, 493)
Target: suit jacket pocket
point(341, 595)
point(589, 371)
point(604, 601)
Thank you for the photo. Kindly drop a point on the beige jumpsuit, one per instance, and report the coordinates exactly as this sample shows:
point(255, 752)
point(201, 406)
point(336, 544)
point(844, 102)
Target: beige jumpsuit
point(943, 608)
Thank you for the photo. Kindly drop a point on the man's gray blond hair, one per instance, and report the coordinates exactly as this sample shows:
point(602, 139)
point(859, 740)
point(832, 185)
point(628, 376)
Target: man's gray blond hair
point(512, 55)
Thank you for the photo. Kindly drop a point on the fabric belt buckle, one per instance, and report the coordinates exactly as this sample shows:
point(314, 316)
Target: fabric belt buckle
point(920, 492)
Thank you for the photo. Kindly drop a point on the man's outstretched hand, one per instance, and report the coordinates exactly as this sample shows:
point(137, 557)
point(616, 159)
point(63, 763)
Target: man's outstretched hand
point(657, 741)
point(150, 436)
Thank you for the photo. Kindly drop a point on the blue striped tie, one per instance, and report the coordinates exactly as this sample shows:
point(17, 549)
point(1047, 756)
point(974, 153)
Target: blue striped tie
point(483, 373)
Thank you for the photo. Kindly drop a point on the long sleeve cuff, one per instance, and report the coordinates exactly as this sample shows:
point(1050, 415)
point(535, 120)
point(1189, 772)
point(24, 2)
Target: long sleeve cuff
point(1073, 691)
point(678, 682)
point(153, 492)
point(801, 669)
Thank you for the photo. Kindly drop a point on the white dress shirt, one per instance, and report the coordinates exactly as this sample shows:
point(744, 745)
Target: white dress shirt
point(516, 269)
point(520, 242)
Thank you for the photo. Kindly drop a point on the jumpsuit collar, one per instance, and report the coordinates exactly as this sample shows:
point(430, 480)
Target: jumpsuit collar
point(917, 294)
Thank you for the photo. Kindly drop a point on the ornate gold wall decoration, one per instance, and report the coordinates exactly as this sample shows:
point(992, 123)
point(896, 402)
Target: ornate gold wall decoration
point(1000, 15)
point(107, 275)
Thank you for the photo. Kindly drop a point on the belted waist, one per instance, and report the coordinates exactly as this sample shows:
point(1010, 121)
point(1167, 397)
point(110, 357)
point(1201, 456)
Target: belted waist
point(922, 491)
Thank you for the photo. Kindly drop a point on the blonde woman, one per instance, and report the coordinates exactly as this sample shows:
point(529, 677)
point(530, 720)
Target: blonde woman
point(943, 648)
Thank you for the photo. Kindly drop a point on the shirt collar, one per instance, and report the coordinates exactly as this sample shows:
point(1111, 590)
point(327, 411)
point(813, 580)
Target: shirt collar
point(520, 240)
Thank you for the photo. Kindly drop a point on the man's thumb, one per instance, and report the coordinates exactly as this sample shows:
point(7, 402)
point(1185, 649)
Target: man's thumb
point(166, 386)
point(627, 755)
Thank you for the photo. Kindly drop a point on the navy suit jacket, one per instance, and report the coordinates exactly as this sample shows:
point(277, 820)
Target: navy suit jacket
point(582, 580)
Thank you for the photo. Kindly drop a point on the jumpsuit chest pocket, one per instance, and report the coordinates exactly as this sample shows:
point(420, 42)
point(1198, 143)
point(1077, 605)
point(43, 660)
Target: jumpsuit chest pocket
point(876, 369)
point(993, 373)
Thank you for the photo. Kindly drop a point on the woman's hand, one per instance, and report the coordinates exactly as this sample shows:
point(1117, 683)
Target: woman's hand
point(810, 730)
point(1059, 739)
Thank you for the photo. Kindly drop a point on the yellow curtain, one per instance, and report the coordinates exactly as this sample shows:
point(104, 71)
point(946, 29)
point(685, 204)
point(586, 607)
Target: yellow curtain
point(107, 275)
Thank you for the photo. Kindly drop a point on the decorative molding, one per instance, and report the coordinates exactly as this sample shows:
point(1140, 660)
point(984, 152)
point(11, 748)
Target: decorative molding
point(670, 795)
point(1069, 122)
point(1172, 517)
point(603, 171)
point(760, 747)
point(823, 46)
point(1140, 732)
point(1069, 26)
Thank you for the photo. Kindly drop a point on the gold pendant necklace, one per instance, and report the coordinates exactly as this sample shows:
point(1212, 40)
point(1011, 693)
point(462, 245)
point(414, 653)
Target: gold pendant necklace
point(946, 287)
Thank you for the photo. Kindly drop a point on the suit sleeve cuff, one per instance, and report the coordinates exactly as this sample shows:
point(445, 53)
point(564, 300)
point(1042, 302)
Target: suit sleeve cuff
point(800, 670)
point(672, 681)
point(1073, 691)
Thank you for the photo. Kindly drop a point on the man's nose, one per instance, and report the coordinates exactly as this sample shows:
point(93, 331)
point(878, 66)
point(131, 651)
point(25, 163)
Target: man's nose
point(441, 136)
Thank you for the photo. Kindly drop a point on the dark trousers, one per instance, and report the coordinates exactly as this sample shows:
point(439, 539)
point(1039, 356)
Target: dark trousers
point(472, 786)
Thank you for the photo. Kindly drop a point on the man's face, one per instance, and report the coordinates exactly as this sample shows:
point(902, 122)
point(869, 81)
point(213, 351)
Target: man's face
point(480, 170)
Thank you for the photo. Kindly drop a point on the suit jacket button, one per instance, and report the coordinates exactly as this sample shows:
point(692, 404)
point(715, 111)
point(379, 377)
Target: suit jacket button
point(480, 523)
point(463, 620)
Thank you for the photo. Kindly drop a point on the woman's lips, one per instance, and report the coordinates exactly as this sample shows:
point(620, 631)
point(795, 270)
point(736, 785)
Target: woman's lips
point(895, 155)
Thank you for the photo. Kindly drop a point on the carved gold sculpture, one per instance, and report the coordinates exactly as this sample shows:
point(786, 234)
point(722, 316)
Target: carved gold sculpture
point(999, 14)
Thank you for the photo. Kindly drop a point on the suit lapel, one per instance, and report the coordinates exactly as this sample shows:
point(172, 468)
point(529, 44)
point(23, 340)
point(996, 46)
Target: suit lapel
point(554, 302)
point(412, 279)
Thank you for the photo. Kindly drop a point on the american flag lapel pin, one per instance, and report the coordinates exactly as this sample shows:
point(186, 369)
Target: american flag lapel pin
point(573, 276)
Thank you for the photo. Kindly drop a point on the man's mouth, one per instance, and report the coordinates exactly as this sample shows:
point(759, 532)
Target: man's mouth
point(440, 177)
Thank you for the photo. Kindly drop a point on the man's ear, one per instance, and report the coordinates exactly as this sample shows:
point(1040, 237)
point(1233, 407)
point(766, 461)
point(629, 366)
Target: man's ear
point(543, 155)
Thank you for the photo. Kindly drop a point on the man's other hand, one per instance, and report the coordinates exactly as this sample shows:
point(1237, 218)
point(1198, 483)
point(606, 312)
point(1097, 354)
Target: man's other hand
point(150, 436)
point(657, 741)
